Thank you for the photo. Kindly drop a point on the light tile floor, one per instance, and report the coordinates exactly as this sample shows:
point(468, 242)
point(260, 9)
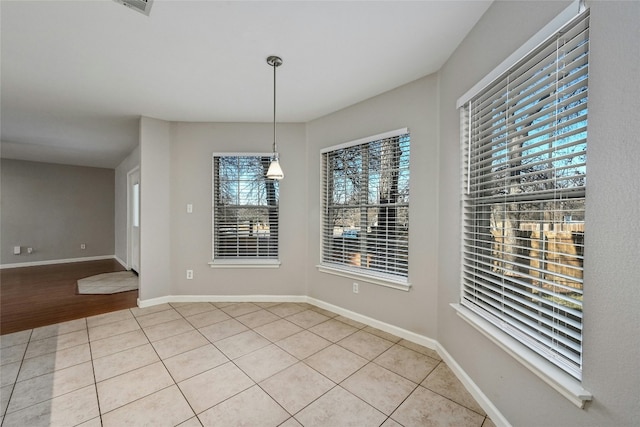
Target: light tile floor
point(226, 364)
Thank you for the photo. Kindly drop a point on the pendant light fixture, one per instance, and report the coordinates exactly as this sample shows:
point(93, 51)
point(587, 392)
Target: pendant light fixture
point(275, 171)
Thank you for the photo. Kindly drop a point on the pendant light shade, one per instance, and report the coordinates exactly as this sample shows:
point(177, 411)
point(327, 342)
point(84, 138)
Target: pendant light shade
point(275, 171)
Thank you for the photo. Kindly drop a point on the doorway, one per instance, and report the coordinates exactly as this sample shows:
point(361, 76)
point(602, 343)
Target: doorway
point(133, 220)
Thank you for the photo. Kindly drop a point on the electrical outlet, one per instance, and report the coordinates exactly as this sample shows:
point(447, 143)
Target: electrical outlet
point(29, 250)
point(83, 246)
point(189, 208)
point(355, 287)
point(17, 250)
point(189, 274)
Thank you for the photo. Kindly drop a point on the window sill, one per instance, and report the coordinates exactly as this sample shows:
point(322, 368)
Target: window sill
point(389, 282)
point(245, 263)
point(564, 384)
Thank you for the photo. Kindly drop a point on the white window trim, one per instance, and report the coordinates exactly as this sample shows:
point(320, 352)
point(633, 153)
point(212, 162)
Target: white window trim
point(383, 135)
point(382, 280)
point(240, 262)
point(549, 30)
point(244, 263)
point(562, 382)
point(559, 380)
point(386, 280)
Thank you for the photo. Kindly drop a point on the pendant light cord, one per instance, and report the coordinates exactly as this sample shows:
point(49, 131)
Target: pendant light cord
point(275, 151)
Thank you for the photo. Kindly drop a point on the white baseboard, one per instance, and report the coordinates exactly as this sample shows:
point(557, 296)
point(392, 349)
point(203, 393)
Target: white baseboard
point(121, 262)
point(154, 301)
point(386, 327)
point(57, 261)
point(482, 399)
point(399, 332)
point(478, 395)
point(220, 298)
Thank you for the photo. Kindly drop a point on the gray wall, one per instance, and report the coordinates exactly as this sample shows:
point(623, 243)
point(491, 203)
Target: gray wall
point(155, 208)
point(176, 170)
point(612, 272)
point(53, 209)
point(612, 269)
point(414, 106)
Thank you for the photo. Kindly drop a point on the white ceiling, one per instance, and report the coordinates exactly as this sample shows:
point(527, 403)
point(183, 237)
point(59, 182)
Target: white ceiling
point(77, 75)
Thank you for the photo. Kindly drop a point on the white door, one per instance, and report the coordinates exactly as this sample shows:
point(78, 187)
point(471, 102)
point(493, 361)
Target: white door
point(134, 220)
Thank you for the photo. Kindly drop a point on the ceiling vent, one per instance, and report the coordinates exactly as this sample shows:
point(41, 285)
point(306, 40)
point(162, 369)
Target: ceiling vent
point(142, 6)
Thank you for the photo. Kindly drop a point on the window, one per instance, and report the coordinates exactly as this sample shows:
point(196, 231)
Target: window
point(245, 210)
point(365, 207)
point(136, 204)
point(524, 173)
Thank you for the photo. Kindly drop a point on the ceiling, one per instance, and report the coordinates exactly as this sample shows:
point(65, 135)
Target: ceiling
point(77, 75)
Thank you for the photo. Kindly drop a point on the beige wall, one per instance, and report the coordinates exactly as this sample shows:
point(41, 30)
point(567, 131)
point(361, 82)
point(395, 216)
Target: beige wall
point(54, 209)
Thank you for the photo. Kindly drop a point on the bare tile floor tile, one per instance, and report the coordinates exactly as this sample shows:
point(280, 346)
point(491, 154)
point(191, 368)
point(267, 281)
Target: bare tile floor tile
point(201, 364)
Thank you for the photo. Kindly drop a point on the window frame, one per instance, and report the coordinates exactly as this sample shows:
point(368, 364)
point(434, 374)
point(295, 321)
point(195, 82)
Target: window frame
point(395, 281)
point(553, 374)
point(242, 261)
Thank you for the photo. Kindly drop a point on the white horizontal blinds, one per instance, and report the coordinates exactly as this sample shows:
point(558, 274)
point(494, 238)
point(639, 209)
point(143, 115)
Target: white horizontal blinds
point(524, 183)
point(245, 208)
point(365, 202)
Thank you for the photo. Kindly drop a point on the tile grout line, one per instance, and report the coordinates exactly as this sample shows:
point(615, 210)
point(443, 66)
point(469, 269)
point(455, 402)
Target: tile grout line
point(417, 384)
point(335, 384)
point(255, 383)
point(358, 370)
point(195, 414)
point(294, 356)
point(445, 397)
point(175, 383)
point(229, 361)
point(13, 386)
point(245, 373)
point(162, 360)
point(49, 373)
point(93, 369)
point(163, 364)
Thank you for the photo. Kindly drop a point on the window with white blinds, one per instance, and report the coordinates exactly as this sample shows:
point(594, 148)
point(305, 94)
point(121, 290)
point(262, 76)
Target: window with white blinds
point(524, 174)
point(365, 206)
point(245, 209)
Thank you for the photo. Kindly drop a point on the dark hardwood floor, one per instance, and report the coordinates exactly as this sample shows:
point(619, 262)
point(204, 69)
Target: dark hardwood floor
point(43, 295)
